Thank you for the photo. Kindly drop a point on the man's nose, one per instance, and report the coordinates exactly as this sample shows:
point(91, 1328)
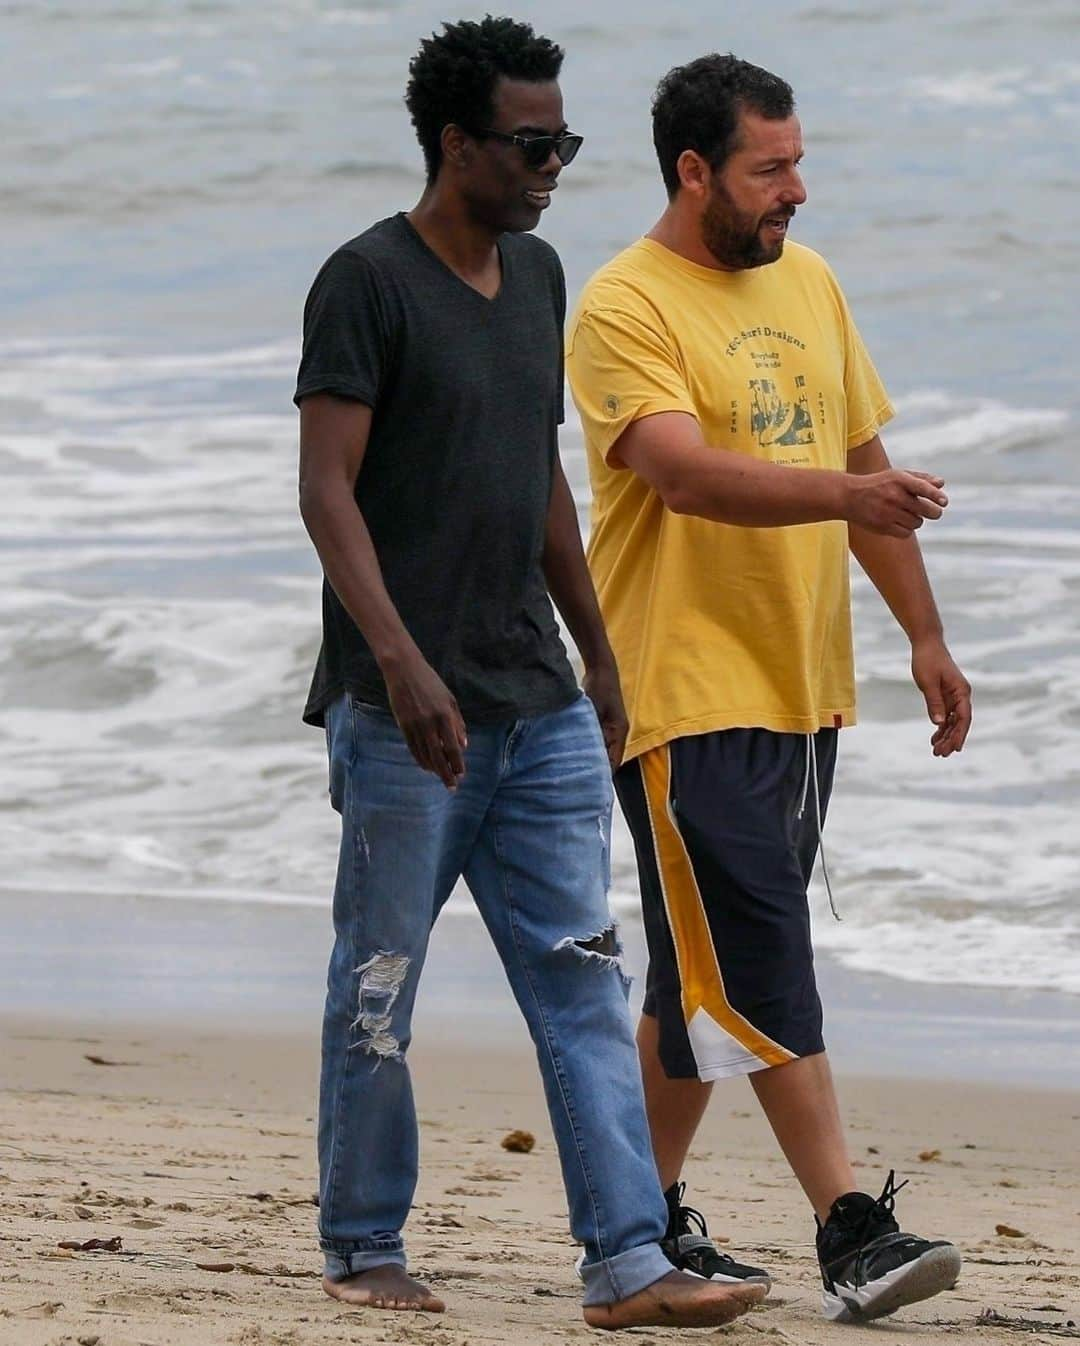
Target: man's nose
point(795, 191)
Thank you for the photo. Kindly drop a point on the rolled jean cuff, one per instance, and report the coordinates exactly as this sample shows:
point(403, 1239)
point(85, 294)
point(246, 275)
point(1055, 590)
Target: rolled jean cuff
point(340, 1263)
point(623, 1275)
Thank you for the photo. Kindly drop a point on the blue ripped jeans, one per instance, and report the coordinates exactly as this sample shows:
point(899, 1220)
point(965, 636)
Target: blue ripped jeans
point(528, 828)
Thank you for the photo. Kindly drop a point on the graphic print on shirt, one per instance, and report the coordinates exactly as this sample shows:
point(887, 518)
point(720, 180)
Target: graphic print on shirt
point(777, 411)
point(776, 421)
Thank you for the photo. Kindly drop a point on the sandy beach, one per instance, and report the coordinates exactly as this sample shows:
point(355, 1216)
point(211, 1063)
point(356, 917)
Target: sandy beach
point(194, 1149)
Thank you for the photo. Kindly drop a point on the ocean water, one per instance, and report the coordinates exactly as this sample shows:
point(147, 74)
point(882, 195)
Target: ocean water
point(174, 174)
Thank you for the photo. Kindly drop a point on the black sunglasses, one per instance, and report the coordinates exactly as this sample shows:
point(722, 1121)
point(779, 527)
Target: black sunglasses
point(537, 149)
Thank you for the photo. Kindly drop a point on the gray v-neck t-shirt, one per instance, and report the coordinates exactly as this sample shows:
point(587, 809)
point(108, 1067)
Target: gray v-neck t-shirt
point(466, 394)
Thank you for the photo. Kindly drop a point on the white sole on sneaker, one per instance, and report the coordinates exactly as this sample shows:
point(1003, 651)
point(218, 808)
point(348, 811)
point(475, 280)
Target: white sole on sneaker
point(936, 1270)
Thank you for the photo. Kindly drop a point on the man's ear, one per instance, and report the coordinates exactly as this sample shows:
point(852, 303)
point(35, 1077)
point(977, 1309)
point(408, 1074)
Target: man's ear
point(695, 174)
point(457, 146)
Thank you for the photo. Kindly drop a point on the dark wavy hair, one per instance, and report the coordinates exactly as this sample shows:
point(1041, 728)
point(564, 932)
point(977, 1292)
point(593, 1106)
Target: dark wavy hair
point(697, 107)
point(452, 77)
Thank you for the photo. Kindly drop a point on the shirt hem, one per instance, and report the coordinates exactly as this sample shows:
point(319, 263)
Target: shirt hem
point(882, 416)
point(657, 406)
point(841, 718)
point(525, 710)
point(338, 387)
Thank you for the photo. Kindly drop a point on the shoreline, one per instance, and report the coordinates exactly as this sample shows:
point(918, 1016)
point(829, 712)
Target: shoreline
point(105, 962)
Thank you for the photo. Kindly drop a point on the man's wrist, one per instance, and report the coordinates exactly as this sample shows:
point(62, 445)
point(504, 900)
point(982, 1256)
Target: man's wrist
point(841, 489)
point(394, 653)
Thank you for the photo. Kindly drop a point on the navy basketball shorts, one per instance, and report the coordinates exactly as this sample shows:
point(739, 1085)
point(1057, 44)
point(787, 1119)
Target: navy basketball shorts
point(726, 829)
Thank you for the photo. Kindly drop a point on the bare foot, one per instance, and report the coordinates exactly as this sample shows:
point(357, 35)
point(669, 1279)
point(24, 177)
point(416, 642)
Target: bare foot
point(678, 1300)
point(385, 1287)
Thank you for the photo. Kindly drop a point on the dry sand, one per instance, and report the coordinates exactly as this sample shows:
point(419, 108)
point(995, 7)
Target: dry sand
point(197, 1149)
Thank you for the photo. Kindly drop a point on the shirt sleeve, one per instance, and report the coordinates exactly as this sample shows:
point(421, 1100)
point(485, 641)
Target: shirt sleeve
point(868, 405)
point(346, 341)
point(621, 369)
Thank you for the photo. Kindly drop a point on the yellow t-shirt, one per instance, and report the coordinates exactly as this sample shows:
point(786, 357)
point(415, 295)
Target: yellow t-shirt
point(716, 626)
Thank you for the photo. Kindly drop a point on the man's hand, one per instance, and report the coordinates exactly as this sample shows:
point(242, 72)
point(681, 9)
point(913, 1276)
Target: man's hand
point(428, 716)
point(894, 502)
point(601, 684)
point(947, 693)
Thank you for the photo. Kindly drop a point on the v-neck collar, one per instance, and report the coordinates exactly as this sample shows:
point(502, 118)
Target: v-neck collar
point(504, 264)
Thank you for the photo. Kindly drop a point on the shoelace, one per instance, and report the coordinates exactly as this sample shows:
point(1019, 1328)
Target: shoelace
point(811, 771)
point(882, 1209)
point(687, 1215)
point(886, 1202)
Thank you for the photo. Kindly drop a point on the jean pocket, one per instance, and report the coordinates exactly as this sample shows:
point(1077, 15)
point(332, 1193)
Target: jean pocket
point(369, 708)
point(375, 729)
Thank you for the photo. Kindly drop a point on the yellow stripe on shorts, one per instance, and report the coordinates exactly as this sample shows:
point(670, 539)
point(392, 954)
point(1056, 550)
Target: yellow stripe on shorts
point(699, 970)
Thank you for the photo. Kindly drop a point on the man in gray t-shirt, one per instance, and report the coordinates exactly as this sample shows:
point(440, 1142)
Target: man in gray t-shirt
point(462, 452)
point(430, 389)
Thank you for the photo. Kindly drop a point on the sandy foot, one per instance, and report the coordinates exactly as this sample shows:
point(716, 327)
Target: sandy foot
point(678, 1300)
point(385, 1287)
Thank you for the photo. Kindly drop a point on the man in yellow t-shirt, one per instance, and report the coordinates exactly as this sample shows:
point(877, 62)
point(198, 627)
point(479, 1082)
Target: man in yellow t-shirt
point(731, 417)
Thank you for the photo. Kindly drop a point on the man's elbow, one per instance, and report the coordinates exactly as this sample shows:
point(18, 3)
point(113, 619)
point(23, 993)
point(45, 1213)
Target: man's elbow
point(315, 501)
point(673, 485)
point(674, 482)
point(677, 496)
point(307, 498)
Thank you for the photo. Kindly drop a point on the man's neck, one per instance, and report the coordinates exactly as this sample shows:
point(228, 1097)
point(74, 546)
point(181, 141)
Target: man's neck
point(467, 248)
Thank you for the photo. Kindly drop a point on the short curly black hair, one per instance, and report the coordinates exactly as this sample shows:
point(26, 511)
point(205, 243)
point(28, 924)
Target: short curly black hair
point(452, 77)
point(697, 107)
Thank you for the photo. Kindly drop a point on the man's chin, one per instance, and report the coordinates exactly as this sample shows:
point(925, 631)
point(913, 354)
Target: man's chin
point(522, 221)
point(768, 253)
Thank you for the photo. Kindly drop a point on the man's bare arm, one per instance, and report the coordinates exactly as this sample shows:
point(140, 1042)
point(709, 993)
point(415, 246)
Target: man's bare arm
point(571, 588)
point(895, 568)
point(691, 477)
point(333, 440)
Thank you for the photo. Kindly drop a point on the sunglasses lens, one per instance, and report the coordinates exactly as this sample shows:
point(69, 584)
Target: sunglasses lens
point(566, 147)
point(538, 150)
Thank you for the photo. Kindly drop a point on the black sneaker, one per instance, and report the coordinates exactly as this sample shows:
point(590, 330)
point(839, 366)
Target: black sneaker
point(869, 1268)
point(696, 1253)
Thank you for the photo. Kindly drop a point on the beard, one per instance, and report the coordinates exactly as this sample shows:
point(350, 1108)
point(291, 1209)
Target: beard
point(733, 237)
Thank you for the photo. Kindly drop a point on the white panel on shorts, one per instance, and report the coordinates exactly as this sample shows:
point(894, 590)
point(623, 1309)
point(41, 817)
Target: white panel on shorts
point(716, 1053)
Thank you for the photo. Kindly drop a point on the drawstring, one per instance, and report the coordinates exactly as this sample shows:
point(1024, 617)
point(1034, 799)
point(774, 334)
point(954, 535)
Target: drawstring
point(811, 770)
point(806, 775)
